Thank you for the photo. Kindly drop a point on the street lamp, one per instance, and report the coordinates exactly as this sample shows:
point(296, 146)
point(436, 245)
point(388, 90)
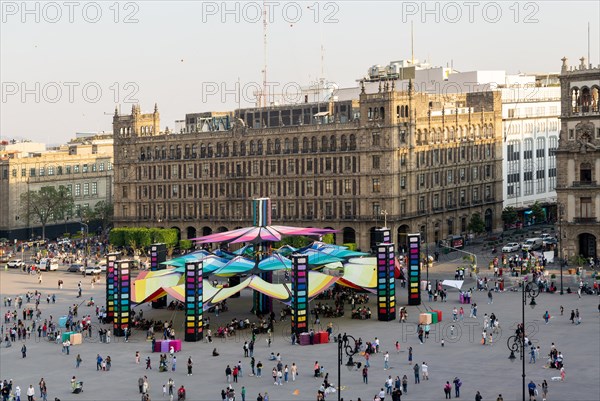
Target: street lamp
point(384, 213)
point(516, 343)
point(344, 344)
point(559, 244)
point(85, 242)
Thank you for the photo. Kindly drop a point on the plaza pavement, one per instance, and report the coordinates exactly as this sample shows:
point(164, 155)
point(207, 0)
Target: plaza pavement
point(480, 368)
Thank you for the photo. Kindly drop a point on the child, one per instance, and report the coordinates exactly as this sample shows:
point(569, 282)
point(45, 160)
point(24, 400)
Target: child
point(164, 390)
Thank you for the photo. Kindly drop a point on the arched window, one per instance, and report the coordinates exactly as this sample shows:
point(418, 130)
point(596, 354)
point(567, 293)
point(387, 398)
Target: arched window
point(156, 152)
point(295, 145)
point(382, 113)
point(142, 153)
point(178, 153)
point(202, 150)
point(399, 112)
point(194, 151)
point(452, 133)
point(595, 95)
point(219, 149)
point(343, 143)
point(163, 152)
point(286, 145)
point(405, 111)
point(252, 147)
point(186, 152)
point(575, 100)
point(332, 144)
point(305, 145)
point(585, 99)
point(209, 150)
point(235, 148)
point(352, 142)
point(277, 146)
point(259, 147)
point(313, 144)
point(171, 152)
point(242, 148)
point(269, 146)
point(226, 149)
point(324, 144)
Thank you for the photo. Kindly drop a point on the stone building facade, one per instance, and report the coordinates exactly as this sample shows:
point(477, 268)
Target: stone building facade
point(83, 166)
point(578, 154)
point(415, 162)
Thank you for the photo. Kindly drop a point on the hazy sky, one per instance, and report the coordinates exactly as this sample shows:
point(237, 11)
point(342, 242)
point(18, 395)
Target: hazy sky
point(64, 66)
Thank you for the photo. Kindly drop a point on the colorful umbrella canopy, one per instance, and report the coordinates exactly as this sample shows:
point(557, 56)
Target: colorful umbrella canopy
point(260, 234)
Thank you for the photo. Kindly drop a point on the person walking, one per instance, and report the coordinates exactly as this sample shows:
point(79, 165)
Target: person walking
point(448, 390)
point(546, 317)
point(479, 397)
point(141, 385)
point(24, 350)
point(544, 387)
point(77, 360)
point(532, 390)
point(404, 384)
point(190, 364)
point(294, 371)
point(572, 318)
point(30, 393)
point(243, 393)
point(457, 384)
point(490, 297)
point(410, 355)
point(148, 363)
point(259, 367)
point(416, 370)
point(425, 371)
point(386, 361)
point(365, 375)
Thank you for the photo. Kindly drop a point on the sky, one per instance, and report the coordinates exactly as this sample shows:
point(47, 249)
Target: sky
point(65, 66)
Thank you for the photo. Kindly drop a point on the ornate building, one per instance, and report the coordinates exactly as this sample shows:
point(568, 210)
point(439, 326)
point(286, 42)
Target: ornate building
point(84, 166)
point(412, 161)
point(578, 155)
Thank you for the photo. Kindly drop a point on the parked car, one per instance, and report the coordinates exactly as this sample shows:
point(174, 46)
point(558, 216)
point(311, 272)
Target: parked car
point(532, 244)
point(102, 267)
point(92, 270)
point(550, 241)
point(511, 247)
point(15, 264)
point(76, 268)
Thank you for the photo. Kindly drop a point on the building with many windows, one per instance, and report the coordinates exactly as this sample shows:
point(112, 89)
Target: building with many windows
point(578, 155)
point(416, 161)
point(83, 165)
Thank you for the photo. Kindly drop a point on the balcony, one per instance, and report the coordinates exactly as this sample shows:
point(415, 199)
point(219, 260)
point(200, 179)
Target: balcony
point(585, 220)
point(584, 183)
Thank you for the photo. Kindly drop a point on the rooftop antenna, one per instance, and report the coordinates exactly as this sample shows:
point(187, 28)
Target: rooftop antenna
point(264, 94)
point(412, 44)
point(588, 38)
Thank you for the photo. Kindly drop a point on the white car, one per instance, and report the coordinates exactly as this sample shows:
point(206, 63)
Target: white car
point(16, 263)
point(102, 267)
point(48, 264)
point(511, 247)
point(92, 270)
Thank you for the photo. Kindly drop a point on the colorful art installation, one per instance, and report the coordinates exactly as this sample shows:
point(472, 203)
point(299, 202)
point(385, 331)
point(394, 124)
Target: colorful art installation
point(158, 255)
point(386, 284)
point(110, 285)
point(193, 301)
point(414, 269)
point(299, 302)
point(122, 297)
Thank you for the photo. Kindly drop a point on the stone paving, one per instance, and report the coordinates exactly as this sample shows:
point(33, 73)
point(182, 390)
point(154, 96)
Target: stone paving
point(480, 368)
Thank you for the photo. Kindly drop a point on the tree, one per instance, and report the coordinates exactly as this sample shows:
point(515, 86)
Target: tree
point(509, 215)
point(47, 204)
point(538, 212)
point(103, 213)
point(476, 224)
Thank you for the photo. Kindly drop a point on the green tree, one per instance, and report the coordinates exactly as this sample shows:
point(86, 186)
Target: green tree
point(509, 215)
point(185, 244)
point(47, 204)
point(328, 239)
point(476, 224)
point(103, 213)
point(116, 237)
point(538, 212)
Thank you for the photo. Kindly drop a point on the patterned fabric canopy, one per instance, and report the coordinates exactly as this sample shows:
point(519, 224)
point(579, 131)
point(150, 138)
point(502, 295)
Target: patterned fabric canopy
point(260, 234)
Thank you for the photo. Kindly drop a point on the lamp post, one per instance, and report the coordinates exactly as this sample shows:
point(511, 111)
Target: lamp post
point(384, 213)
point(350, 350)
point(517, 342)
point(85, 242)
point(559, 244)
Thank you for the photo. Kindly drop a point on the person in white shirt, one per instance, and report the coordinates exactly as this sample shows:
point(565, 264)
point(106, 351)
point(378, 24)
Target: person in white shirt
point(30, 393)
point(425, 370)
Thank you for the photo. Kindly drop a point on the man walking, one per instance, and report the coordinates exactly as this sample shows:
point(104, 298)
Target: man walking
point(416, 369)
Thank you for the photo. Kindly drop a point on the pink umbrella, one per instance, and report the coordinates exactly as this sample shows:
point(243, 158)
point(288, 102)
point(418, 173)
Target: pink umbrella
point(260, 234)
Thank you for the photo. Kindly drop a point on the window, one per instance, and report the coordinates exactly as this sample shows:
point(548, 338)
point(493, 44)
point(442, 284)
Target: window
point(78, 191)
point(32, 172)
point(403, 182)
point(309, 187)
point(328, 164)
point(84, 168)
point(42, 171)
point(50, 170)
point(273, 166)
point(101, 167)
point(124, 189)
point(376, 209)
point(376, 162)
point(175, 190)
point(86, 189)
point(328, 186)
point(449, 177)
point(347, 186)
point(571, 134)
point(376, 139)
point(403, 159)
point(511, 113)
point(14, 172)
point(70, 189)
point(94, 168)
point(24, 172)
point(76, 169)
point(291, 166)
point(109, 164)
point(585, 207)
point(94, 188)
point(309, 165)
point(376, 185)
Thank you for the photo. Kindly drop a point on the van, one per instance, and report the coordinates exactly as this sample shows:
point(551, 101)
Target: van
point(532, 244)
point(47, 264)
